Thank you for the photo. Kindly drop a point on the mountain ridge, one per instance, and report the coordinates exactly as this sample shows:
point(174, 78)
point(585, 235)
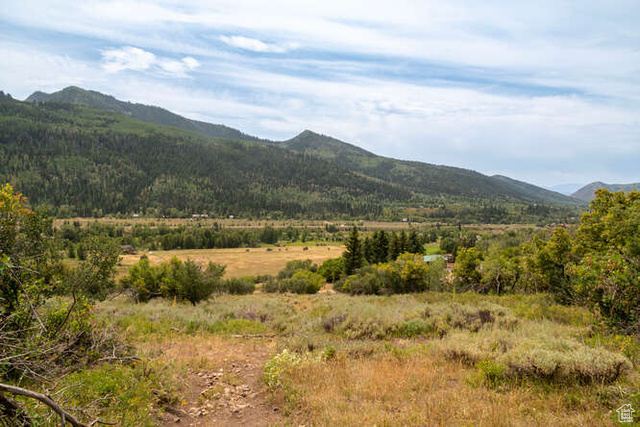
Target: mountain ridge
point(418, 177)
point(148, 113)
point(587, 193)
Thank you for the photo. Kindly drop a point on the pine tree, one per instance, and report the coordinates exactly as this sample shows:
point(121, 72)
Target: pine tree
point(413, 245)
point(402, 242)
point(354, 254)
point(380, 247)
point(368, 250)
point(394, 247)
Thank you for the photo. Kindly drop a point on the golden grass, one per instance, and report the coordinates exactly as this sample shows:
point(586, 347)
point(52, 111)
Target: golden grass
point(422, 389)
point(240, 261)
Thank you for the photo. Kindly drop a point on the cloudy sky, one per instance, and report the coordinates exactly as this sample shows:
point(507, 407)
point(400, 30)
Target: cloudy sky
point(544, 91)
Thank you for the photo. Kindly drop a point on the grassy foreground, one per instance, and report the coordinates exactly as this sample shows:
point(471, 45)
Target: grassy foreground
point(332, 359)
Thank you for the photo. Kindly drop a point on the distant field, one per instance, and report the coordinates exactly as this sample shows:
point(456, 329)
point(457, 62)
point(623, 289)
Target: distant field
point(250, 224)
point(241, 261)
point(242, 223)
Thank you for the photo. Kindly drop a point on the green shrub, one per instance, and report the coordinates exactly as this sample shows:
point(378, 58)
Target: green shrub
point(537, 353)
point(277, 365)
point(293, 266)
point(302, 282)
point(122, 394)
point(332, 269)
point(368, 281)
point(271, 286)
point(492, 373)
point(175, 279)
point(238, 286)
point(409, 273)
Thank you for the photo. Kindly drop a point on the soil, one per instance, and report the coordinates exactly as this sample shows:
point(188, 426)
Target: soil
point(231, 394)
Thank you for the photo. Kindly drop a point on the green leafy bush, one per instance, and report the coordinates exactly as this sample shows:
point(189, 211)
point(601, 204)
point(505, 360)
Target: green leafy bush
point(238, 286)
point(409, 273)
point(175, 279)
point(332, 269)
point(277, 365)
point(293, 266)
point(301, 282)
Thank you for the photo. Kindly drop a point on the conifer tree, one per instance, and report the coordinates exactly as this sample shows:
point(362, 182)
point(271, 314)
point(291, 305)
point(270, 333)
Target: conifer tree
point(354, 254)
point(381, 247)
point(413, 245)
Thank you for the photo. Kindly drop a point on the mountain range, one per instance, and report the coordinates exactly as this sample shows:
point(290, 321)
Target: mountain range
point(587, 193)
point(102, 153)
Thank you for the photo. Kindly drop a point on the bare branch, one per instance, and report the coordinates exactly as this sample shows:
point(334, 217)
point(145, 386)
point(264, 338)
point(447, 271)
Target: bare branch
point(64, 416)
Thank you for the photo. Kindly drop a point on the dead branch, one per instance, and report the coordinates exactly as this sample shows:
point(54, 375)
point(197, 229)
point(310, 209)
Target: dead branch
point(253, 335)
point(64, 416)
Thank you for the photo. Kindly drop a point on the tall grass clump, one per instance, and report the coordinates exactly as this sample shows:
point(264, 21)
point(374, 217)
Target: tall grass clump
point(538, 351)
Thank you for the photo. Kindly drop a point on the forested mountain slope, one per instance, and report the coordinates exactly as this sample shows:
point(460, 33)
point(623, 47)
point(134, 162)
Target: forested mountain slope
point(147, 113)
point(422, 177)
point(85, 160)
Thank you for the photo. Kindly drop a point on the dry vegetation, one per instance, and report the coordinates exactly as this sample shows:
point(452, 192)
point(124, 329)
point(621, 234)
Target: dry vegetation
point(423, 359)
point(241, 262)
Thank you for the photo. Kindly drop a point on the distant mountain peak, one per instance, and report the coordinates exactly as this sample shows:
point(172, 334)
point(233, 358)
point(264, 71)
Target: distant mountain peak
point(147, 113)
point(587, 193)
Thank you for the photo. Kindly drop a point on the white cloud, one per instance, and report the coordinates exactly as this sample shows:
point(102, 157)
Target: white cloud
point(133, 58)
point(256, 45)
point(127, 58)
point(178, 68)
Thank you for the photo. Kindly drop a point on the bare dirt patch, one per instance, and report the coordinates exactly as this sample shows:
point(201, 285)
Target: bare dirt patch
point(223, 385)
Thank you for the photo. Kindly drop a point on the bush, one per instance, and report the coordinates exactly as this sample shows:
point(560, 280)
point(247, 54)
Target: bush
point(173, 280)
point(409, 273)
point(368, 281)
point(303, 282)
point(43, 337)
point(332, 269)
point(271, 286)
point(277, 365)
point(538, 354)
point(238, 286)
point(295, 265)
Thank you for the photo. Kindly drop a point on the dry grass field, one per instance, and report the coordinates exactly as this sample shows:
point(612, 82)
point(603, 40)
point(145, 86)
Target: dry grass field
point(333, 359)
point(241, 262)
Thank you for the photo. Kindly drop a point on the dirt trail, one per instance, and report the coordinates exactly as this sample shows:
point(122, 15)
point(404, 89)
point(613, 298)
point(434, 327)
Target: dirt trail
point(227, 387)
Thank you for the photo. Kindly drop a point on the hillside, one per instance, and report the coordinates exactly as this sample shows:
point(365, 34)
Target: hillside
point(534, 192)
point(422, 177)
point(87, 161)
point(147, 113)
point(83, 161)
point(587, 192)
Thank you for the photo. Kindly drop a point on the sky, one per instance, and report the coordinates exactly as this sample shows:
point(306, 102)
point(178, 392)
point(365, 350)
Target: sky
point(543, 91)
